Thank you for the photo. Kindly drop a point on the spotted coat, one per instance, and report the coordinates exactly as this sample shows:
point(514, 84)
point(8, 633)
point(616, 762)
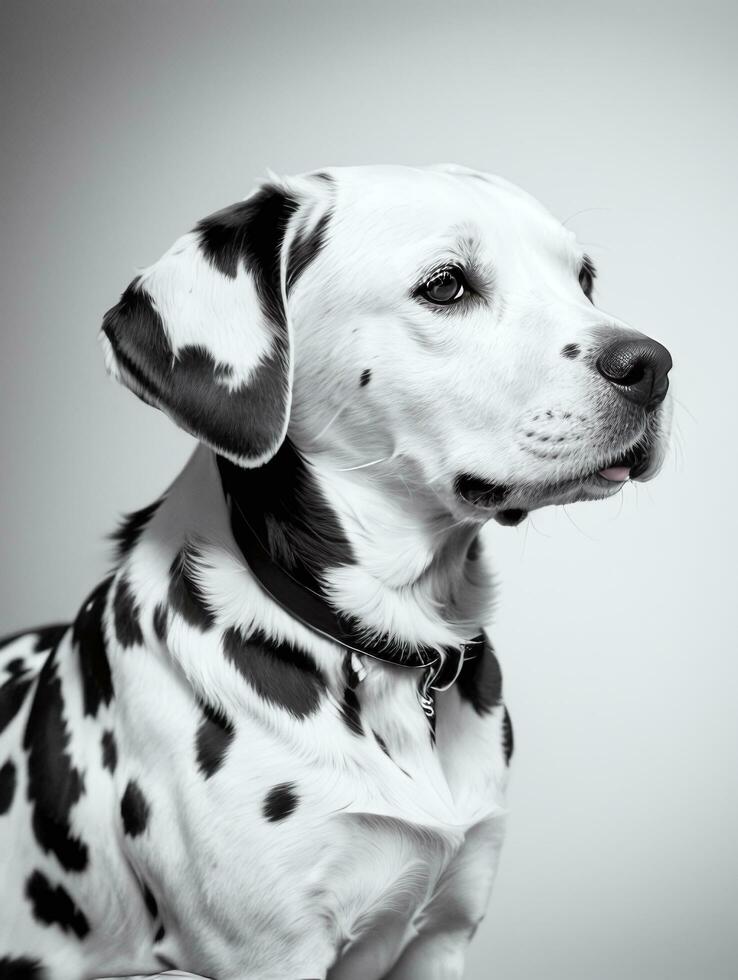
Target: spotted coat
point(191, 779)
point(190, 776)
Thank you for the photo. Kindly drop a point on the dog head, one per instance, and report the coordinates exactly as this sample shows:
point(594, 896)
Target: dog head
point(434, 325)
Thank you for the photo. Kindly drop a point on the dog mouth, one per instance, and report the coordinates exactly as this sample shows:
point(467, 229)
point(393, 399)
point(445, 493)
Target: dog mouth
point(511, 502)
point(629, 465)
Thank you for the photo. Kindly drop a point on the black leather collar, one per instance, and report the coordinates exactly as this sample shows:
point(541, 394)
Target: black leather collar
point(302, 598)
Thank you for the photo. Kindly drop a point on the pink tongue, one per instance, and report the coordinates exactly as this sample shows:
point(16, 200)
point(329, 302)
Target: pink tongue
point(618, 474)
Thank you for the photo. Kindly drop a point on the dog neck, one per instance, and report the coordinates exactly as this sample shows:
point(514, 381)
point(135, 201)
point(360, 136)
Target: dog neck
point(400, 569)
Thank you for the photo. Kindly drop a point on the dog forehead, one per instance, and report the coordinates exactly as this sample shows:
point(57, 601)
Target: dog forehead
point(400, 208)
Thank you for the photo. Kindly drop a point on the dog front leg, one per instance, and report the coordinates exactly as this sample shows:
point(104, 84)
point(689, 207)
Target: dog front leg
point(457, 907)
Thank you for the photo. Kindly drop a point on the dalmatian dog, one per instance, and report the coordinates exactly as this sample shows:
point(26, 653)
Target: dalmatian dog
point(272, 742)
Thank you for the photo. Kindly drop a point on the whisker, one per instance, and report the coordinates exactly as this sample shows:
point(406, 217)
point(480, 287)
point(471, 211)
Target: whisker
point(537, 529)
point(361, 466)
point(575, 525)
point(404, 483)
point(620, 506)
point(680, 404)
point(449, 527)
point(329, 424)
point(435, 479)
point(677, 449)
point(583, 211)
point(525, 537)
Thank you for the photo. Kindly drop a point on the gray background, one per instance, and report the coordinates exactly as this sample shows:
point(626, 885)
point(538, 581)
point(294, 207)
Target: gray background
point(123, 123)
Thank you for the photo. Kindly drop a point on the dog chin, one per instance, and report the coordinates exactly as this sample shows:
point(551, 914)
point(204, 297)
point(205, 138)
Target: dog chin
point(569, 492)
point(509, 503)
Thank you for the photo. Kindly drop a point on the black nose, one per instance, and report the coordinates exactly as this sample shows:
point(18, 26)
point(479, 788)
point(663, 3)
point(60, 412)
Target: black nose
point(638, 367)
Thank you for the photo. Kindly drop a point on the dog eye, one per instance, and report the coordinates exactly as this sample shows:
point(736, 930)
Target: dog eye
point(445, 286)
point(587, 276)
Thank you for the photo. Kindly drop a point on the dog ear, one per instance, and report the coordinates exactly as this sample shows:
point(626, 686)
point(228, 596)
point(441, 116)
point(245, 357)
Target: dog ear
point(203, 334)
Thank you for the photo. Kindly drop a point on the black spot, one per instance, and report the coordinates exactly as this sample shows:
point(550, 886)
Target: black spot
point(126, 615)
point(54, 784)
point(366, 377)
point(109, 750)
point(213, 739)
point(150, 901)
point(280, 802)
point(587, 276)
point(12, 695)
point(134, 810)
point(480, 679)
point(21, 968)
point(132, 526)
point(160, 621)
point(7, 786)
point(184, 594)
point(160, 933)
point(89, 638)
point(350, 708)
point(53, 906)
point(250, 232)
point(12, 637)
point(281, 674)
point(16, 667)
point(571, 351)
point(508, 741)
point(48, 637)
point(291, 514)
point(304, 248)
point(510, 517)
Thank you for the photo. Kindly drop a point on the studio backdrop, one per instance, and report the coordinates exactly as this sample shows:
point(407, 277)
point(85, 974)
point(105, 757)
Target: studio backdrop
point(123, 123)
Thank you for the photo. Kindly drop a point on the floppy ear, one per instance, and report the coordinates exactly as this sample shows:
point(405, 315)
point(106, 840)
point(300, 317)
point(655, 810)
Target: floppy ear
point(203, 334)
